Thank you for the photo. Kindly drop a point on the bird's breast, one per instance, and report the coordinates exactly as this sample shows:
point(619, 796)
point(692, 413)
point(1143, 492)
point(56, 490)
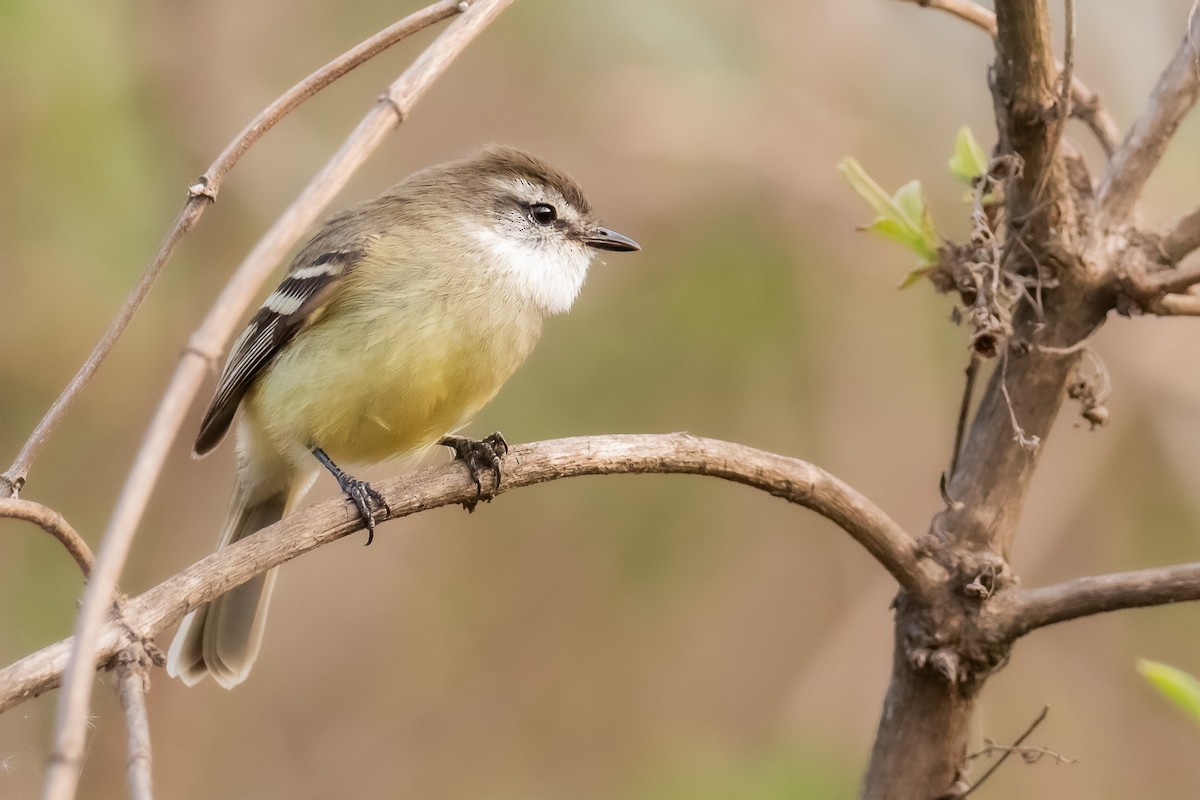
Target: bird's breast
point(375, 381)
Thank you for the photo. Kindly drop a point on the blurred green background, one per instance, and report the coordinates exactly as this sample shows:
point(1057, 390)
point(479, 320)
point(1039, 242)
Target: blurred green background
point(637, 637)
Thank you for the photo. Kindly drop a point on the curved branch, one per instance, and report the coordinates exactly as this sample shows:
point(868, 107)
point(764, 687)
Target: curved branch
point(1085, 104)
point(1082, 597)
point(1133, 162)
point(1182, 238)
point(54, 524)
point(200, 195)
point(148, 614)
point(387, 114)
point(966, 10)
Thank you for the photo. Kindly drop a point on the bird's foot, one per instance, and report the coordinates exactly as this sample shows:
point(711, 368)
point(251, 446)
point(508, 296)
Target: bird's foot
point(359, 492)
point(479, 455)
point(362, 494)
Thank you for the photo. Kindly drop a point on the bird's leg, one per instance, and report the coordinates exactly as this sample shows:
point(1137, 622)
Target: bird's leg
point(478, 455)
point(360, 493)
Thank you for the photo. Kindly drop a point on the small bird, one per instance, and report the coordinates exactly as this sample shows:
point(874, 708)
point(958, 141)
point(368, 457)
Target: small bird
point(394, 325)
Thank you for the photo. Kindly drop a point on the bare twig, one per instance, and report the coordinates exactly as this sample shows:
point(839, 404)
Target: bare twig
point(1064, 101)
point(133, 664)
point(1159, 289)
point(1086, 106)
point(148, 614)
point(52, 523)
point(1178, 305)
point(201, 194)
point(1193, 38)
point(385, 116)
point(1168, 281)
point(964, 412)
point(1004, 757)
point(1082, 346)
point(1037, 608)
point(1026, 441)
point(13, 479)
point(1031, 754)
point(1089, 110)
point(131, 687)
point(1182, 238)
point(364, 51)
point(1144, 145)
point(966, 10)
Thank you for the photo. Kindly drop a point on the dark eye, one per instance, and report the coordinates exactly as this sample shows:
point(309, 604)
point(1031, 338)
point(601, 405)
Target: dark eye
point(542, 213)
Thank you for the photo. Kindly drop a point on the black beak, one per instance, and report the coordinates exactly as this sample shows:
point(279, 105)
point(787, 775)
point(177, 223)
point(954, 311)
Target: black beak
point(604, 239)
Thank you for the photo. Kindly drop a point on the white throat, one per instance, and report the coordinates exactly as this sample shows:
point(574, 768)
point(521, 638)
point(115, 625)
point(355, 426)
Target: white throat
point(548, 275)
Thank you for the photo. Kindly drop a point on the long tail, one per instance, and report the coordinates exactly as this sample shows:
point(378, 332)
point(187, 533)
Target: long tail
point(222, 639)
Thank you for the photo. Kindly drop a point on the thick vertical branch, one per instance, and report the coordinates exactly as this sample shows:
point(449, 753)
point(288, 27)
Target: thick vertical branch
point(998, 462)
point(923, 733)
point(1023, 399)
point(941, 658)
point(1024, 76)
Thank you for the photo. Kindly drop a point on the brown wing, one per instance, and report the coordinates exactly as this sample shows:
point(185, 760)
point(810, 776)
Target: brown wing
point(311, 283)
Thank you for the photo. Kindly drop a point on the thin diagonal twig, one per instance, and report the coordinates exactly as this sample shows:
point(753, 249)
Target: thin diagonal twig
point(1012, 748)
point(964, 413)
point(1135, 160)
point(1064, 96)
point(201, 195)
point(387, 113)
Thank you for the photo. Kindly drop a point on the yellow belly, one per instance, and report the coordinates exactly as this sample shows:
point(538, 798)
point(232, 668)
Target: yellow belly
point(371, 387)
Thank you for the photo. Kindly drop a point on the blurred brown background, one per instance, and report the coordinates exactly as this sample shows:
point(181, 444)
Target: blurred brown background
point(642, 637)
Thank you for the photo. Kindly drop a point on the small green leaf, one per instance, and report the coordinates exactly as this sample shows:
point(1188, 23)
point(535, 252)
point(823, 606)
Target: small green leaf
point(903, 217)
point(867, 188)
point(915, 276)
point(897, 231)
point(1180, 688)
point(916, 213)
point(908, 199)
point(969, 161)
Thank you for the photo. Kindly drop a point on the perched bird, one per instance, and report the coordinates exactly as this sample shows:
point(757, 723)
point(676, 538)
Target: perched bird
point(394, 325)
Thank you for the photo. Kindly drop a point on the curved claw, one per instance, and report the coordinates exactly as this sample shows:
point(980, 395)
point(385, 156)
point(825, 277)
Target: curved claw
point(359, 492)
point(362, 494)
point(478, 455)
